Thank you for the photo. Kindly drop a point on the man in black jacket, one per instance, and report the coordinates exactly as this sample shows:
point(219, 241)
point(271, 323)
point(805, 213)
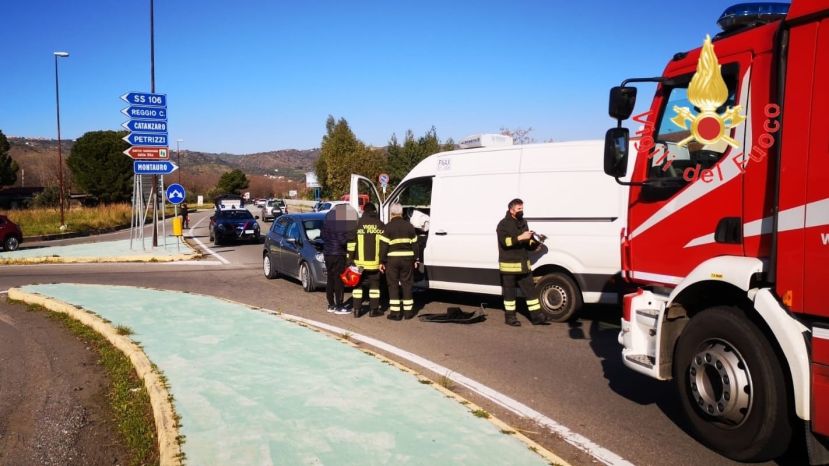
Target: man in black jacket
point(399, 256)
point(336, 229)
point(514, 240)
point(364, 251)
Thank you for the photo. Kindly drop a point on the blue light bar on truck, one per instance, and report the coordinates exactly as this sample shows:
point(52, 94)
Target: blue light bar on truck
point(751, 14)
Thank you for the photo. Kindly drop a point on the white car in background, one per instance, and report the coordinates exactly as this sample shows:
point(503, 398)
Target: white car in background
point(325, 206)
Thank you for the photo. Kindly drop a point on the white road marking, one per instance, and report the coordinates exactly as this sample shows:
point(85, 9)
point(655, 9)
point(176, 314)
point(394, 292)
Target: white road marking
point(203, 246)
point(579, 441)
point(192, 263)
point(4, 292)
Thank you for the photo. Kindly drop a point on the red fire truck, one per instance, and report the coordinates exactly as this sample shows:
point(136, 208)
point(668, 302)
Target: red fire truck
point(728, 230)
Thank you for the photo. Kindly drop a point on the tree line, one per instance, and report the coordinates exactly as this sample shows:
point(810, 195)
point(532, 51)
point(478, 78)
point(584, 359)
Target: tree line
point(342, 154)
point(98, 166)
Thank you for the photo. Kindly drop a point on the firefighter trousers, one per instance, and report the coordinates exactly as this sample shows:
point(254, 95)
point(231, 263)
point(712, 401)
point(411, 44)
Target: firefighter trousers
point(510, 291)
point(370, 279)
point(400, 275)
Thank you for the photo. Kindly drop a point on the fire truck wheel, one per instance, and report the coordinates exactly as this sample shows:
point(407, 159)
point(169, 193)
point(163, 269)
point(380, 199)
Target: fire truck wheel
point(731, 386)
point(559, 296)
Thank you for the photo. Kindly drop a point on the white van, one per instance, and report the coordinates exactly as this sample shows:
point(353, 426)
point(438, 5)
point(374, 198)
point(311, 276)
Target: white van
point(457, 198)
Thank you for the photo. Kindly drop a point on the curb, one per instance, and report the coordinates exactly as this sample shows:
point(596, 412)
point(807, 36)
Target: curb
point(169, 449)
point(88, 260)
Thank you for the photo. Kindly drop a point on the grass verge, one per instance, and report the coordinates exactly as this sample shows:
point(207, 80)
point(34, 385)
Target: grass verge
point(127, 396)
point(46, 220)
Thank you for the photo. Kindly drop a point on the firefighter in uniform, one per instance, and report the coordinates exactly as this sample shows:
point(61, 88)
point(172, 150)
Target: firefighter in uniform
point(514, 240)
point(399, 255)
point(364, 250)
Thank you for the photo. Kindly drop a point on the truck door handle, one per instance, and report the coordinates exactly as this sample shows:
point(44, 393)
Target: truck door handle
point(440, 232)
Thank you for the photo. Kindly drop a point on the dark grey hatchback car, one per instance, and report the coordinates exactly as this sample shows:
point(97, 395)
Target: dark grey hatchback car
point(293, 248)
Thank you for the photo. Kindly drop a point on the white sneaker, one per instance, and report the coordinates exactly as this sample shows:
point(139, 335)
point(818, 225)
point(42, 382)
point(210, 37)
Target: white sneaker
point(332, 308)
point(342, 310)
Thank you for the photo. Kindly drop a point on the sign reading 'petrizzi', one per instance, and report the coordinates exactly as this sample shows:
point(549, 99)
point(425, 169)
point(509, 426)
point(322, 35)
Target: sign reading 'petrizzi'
point(148, 132)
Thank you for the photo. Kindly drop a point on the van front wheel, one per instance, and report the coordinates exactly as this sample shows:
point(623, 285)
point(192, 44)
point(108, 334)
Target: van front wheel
point(559, 296)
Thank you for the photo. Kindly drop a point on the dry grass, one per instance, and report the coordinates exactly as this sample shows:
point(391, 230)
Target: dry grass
point(46, 221)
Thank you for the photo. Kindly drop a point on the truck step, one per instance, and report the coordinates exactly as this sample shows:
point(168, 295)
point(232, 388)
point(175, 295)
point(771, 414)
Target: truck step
point(642, 359)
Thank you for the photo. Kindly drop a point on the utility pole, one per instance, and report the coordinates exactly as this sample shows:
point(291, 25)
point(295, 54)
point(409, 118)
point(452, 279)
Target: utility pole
point(154, 192)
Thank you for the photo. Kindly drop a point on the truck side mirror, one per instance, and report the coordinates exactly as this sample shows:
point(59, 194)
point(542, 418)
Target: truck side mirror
point(616, 142)
point(622, 100)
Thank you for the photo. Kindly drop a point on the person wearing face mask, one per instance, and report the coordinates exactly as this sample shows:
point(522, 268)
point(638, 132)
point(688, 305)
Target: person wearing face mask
point(515, 239)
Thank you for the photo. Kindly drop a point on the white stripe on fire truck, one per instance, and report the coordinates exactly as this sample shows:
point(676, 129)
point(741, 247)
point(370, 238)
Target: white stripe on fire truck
point(698, 190)
point(819, 332)
point(813, 214)
point(655, 277)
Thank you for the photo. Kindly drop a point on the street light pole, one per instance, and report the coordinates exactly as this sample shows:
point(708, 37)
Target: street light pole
point(178, 158)
point(60, 154)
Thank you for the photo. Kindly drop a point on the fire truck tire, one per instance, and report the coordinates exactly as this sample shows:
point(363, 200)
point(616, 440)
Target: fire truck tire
point(731, 386)
point(559, 296)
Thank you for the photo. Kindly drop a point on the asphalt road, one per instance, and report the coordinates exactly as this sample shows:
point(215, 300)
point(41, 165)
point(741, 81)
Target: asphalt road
point(571, 373)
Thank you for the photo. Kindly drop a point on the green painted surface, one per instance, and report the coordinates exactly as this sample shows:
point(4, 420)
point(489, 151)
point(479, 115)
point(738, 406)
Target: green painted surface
point(253, 388)
point(120, 248)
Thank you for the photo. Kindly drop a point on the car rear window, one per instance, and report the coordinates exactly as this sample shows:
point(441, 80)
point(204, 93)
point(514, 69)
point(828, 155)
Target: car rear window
point(236, 214)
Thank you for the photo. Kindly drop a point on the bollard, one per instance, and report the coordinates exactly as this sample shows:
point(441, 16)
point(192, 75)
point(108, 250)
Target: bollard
point(176, 226)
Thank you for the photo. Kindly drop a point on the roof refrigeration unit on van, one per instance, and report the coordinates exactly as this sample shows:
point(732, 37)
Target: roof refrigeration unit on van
point(456, 198)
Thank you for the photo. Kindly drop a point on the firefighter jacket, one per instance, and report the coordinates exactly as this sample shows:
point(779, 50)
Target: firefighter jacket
point(512, 254)
point(399, 239)
point(364, 245)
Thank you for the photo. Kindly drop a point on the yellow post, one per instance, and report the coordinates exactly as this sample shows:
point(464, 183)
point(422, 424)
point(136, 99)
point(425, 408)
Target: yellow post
point(176, 226)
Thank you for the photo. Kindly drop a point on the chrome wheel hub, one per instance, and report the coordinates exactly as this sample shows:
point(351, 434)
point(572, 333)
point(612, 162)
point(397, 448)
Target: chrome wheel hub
point(721, 382)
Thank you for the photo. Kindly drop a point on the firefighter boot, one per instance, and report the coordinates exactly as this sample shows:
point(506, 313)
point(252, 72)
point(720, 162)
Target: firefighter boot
point(538, 318)
point(408, 315)
point(375, 313)
point(395, 315)
point(509, 319)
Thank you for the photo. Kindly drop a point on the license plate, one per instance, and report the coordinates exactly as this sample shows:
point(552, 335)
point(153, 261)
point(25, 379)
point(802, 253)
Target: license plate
point(248, 232)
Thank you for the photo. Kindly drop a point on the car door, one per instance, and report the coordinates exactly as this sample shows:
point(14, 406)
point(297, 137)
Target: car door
point(274, 242)
point(291, 249)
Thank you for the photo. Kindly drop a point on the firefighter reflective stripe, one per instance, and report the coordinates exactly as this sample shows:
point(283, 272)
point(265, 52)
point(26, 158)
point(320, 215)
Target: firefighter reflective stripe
point(403, 241)
point(350, 246)
point(509, 305)
point(394, 305)
point(373, 293)
point(357, 293)
point(510, 266)
point(401, 253)
point(408, 304)
point(384, 239)
point(508, 241)
point(533, 304)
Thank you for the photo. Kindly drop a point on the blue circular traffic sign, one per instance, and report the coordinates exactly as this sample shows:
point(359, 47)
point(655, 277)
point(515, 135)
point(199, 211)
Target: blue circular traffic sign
point(175, 193)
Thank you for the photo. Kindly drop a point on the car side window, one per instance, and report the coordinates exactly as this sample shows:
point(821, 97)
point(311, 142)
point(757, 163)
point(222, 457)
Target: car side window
point(293, 231)
point(279, 225)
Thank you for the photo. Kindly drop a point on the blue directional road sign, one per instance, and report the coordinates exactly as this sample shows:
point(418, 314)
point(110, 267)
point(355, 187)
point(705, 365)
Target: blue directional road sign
point(144, 98)
point(154, 167)
point(146, 126)
point(175, 193)
point(146, 139)
point(144, 112)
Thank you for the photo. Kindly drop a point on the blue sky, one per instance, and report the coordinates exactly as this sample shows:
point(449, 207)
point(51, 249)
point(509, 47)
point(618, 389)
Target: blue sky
point(254, 75)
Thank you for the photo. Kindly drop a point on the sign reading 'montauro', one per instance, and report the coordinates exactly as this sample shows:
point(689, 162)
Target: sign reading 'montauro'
point(147, 167)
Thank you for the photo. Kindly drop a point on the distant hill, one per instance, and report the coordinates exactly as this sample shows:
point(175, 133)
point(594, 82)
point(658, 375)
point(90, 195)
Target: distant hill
point(38, 160)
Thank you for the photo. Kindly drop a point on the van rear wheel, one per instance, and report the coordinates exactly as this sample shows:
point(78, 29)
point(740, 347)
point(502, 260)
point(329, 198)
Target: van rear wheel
point(559, 296)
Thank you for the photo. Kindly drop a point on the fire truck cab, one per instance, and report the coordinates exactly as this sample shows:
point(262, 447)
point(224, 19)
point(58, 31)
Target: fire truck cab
point(727, 235)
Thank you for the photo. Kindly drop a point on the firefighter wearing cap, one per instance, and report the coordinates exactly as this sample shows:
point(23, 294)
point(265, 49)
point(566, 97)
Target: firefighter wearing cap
point(514, 242)
point(364, 250)
point(399, 255)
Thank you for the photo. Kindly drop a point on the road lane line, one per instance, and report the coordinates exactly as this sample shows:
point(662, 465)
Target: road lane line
point(577, 440)
point(204, 246)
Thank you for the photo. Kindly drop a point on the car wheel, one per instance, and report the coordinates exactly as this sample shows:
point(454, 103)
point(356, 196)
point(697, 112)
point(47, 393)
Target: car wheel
point(559, 296)
point(216, 240)
point(731, 386)
point(11, 243)
point(268, 267)
point(305, 277)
